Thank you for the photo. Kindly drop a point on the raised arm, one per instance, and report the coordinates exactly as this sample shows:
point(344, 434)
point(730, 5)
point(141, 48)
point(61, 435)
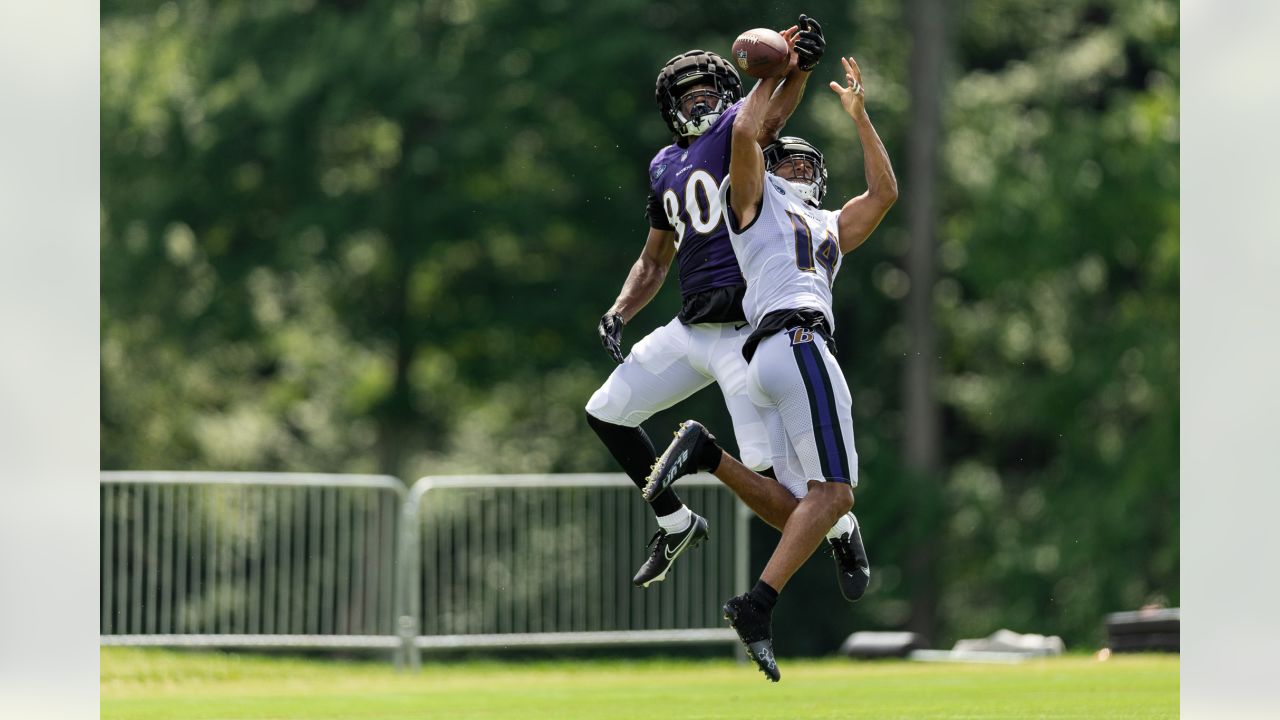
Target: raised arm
point(863, 213)
point(782, 105)
point(808, 45)
point(746, 160)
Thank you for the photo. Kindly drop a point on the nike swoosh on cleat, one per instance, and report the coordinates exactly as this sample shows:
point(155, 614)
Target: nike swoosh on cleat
point(679, 548)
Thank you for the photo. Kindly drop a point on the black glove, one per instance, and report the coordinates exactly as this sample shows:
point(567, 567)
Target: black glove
point(610, 329)
point(809, 43)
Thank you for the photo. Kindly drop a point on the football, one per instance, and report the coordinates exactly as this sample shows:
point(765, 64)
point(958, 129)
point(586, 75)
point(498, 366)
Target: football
point(761, 53)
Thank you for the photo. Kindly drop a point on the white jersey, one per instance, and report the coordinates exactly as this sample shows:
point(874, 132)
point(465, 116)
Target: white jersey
point(789, 254)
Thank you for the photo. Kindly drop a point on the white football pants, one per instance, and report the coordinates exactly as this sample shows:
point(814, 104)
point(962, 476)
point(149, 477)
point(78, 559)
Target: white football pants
point(807, 407)
point(672, 363)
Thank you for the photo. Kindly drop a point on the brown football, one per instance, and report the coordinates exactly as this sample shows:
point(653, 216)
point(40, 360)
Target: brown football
point(761, 53)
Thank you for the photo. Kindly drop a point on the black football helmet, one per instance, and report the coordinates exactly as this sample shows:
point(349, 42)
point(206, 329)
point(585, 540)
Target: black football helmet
point(787, 148)
point(686, 69)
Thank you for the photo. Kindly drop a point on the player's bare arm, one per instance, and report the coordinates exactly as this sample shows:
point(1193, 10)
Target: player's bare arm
point(807, 44)
point(647, 274)
point(746, 160)
point(642, 283)
point(860, 216)
point(786, 97)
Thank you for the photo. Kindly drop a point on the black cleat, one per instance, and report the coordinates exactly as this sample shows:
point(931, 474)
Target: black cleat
point(754, 627)
point(679, 459)
point(853, 570)
point(665, 547)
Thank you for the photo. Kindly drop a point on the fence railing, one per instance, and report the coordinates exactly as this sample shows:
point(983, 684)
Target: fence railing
point(348, 561)
point(547, 560)
point(249, 559)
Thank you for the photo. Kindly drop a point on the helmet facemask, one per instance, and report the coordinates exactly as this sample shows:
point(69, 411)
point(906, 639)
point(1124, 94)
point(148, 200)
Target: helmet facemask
point(679, 77)
point(801, 165)
point(697, 110)
point(801, 172)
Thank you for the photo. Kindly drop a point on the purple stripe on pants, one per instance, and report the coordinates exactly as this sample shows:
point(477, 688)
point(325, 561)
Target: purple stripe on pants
point(825, 434)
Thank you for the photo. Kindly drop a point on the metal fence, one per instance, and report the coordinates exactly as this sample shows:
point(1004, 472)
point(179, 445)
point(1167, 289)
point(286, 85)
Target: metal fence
point(547, 560)
point(289, 560)
point(249, 559)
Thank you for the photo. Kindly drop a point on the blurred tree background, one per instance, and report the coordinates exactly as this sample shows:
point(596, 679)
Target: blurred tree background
point(376, 236)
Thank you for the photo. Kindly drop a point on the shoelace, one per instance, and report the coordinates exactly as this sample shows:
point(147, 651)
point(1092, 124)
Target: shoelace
point(843, 550)
point(654, 545)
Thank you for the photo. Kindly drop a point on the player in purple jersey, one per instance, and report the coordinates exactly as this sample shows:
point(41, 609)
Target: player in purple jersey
point(790, 251)
point(698, 95)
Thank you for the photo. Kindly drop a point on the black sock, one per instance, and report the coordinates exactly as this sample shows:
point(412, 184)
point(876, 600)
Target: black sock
point(633, 450)
point(763, 595)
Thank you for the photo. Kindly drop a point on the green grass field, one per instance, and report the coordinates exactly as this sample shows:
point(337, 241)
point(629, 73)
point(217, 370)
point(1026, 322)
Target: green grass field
point(162, 684)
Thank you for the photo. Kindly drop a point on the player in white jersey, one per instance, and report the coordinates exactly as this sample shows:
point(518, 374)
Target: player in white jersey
point(698, 94)
point(790, 250)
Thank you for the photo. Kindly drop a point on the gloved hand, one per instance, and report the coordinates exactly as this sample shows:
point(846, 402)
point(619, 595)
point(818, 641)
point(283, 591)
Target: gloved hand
point(610, 329)
point(809, 43)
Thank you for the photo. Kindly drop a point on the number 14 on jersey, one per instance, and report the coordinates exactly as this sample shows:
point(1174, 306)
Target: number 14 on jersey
point(826, 255)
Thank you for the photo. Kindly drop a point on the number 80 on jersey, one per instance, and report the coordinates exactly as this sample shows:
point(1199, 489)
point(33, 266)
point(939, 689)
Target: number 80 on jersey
point(701, 205)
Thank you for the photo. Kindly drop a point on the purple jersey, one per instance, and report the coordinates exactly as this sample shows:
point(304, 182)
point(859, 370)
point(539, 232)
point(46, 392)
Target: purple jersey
point(686, 181)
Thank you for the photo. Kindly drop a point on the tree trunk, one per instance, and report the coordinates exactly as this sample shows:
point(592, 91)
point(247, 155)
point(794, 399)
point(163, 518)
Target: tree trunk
point(398, 411)
point(927, 21)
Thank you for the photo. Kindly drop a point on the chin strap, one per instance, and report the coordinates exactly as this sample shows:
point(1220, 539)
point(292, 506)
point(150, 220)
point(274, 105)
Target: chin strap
point(700, 125)
point(808, 191)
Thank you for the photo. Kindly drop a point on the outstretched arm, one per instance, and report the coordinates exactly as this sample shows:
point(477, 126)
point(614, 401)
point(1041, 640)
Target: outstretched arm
point(746, 160)
point(807, 44)
point(785, 98)
point(863, 213)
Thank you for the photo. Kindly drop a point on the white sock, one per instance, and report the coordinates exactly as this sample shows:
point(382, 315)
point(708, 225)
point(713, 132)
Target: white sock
point(845, 524)
point(677, 521)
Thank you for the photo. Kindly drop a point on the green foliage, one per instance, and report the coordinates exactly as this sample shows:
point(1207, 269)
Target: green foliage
point(1061, 317)
point(376, 236)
